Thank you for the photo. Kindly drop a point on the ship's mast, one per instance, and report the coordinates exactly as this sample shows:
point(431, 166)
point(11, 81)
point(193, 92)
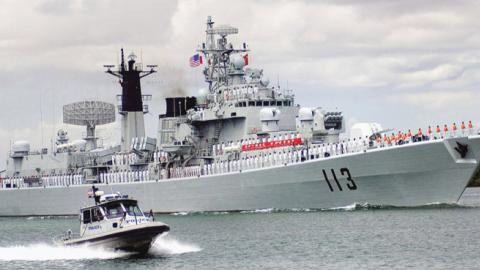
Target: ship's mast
point(131, 107)
point(217, 54)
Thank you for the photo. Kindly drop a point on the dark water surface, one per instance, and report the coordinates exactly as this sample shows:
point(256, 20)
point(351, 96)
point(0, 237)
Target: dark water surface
point(354, 237)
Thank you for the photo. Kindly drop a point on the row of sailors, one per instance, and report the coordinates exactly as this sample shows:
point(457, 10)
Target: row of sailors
point(125, 176)
point(139, 143)
point(127, 159)
point(183, 172)
point(286, 157)
point(271, 159)
point(62, 180)
point(46, 181)
point(440, 133)
point(445, 132)
point(160, 157)
point(16, 182)
point(219, 149)
point(124, 159)
point(240, 93)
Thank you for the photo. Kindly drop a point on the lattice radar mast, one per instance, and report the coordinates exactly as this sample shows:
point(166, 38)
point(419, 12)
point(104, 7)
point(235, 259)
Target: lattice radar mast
point(217, 54)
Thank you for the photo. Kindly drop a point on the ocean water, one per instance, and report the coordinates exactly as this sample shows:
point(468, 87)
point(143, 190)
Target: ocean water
point(436, 236)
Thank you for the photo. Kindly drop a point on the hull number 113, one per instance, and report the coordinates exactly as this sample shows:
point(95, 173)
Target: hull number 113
point(333, 182)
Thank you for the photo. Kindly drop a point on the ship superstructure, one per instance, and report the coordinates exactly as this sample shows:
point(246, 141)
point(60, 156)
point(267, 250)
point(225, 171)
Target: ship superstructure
point(242, 144)
point(240, 107)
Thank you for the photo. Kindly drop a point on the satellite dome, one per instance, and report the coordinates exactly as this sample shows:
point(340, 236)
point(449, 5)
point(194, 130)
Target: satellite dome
point(237, 61)
point(269, 114)
point(265, 82)
point(21, 146)
point(61, 132)
point(306, 114)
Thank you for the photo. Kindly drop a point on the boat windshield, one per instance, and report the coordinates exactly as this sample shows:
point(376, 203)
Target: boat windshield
point(113, 210)
point(132, 209)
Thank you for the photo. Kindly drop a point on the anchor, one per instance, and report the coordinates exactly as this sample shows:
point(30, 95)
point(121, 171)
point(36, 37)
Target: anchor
point(462, 149)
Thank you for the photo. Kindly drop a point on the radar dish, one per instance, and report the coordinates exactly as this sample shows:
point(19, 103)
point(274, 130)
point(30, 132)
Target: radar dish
point(223, 30)
point(89, 113)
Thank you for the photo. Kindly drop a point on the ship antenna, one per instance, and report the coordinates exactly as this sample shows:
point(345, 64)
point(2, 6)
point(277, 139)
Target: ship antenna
point(210, 35)
point(122, 64)
point(41, 118)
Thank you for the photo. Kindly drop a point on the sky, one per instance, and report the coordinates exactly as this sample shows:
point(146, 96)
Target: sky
point(404, 64)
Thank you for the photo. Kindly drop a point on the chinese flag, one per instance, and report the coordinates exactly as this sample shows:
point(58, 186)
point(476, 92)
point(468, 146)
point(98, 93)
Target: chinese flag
point(245, 59)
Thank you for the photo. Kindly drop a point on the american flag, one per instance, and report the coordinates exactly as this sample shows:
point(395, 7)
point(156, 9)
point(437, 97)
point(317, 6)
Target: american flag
point(195, 60)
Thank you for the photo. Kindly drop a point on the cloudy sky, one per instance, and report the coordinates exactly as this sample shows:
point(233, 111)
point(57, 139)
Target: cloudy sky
point(405, 64)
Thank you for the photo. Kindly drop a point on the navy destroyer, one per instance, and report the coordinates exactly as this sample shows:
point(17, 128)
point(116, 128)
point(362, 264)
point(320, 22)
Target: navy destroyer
point(242, 144)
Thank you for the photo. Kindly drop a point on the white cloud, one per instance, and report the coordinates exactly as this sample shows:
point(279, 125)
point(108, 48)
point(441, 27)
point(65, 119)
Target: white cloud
point(436, 100)
point(364, 57)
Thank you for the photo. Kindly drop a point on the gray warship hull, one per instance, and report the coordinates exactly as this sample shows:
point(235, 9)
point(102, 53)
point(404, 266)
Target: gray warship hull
point(407, 175)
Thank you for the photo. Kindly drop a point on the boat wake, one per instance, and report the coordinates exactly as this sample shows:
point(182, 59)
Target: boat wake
point(351, 207)
point(162, 246)
point(367, 206)
point(46, 252)
point(49, 217)
point(166, 245)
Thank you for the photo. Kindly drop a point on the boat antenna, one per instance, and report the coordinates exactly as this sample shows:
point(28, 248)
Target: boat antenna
point(95, 196)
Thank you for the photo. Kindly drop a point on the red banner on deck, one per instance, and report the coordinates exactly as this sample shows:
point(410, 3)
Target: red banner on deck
point(266, 145)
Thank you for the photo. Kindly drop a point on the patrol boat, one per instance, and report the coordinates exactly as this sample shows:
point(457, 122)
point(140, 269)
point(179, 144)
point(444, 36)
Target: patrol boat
point(242, 143)
point(115, 222)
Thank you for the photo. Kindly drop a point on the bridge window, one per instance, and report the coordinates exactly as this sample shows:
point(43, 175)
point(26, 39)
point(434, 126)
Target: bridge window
point(132, 209)
point(87, 218)
point(96, 215)
point(114, 210)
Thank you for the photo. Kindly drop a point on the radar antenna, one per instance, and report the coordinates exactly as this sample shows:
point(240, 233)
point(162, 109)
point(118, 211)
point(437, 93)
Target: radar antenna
point(89, 114)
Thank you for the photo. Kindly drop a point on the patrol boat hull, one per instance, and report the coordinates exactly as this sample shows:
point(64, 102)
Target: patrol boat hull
point(408, 175)
point(138, 238)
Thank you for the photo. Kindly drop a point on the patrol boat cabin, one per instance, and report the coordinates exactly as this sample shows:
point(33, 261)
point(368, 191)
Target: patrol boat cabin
point(114, 211)
point(115, 221)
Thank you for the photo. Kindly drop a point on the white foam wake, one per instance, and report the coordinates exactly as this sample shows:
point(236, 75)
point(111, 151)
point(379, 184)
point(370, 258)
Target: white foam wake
point(166, 245)
point(45, 252)
point(350, 207)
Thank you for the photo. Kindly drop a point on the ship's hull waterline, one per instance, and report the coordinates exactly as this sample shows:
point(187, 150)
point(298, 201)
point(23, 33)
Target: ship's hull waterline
point(409, 175)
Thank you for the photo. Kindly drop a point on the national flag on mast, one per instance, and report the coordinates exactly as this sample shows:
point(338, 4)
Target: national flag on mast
point(196, 60)
point(245, 59)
